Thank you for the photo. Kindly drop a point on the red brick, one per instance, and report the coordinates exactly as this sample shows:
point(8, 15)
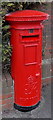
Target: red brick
point(5, 96)
point(7, 101)
point(47, 23)
point(0, 97)
point(0, 102)
point(7, 107)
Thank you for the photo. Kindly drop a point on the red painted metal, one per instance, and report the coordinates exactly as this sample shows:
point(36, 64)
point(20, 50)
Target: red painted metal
point(26, 41)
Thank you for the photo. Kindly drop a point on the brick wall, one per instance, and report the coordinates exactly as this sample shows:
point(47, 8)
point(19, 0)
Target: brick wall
point(7, 92)
point(7, 82)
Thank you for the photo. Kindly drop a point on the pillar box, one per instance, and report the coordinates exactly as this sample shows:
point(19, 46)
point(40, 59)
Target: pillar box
point(26, 41)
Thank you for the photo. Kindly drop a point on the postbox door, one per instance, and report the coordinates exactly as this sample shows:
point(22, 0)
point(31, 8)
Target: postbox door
point(28, 63)
point(32, 86)
point(31, 62)
point(30, 54)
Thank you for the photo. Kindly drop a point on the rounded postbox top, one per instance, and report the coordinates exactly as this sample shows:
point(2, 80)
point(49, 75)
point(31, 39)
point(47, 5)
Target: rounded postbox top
point(26, 15)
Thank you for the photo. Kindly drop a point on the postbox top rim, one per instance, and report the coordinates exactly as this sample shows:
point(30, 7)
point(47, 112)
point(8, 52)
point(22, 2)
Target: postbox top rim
point(26, 14)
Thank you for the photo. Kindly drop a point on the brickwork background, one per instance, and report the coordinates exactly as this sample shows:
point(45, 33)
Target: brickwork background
point(7, 91)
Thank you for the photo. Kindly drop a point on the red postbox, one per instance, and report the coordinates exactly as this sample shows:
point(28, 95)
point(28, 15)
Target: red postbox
point(26, 40)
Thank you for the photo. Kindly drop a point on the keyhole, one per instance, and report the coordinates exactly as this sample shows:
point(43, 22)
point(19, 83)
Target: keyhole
point(31, 30)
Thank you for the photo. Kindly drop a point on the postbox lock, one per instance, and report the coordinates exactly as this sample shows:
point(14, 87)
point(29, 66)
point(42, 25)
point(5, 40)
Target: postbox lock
point(31, 30)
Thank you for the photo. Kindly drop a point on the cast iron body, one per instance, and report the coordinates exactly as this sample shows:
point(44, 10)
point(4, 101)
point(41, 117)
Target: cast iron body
point(26, 41)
